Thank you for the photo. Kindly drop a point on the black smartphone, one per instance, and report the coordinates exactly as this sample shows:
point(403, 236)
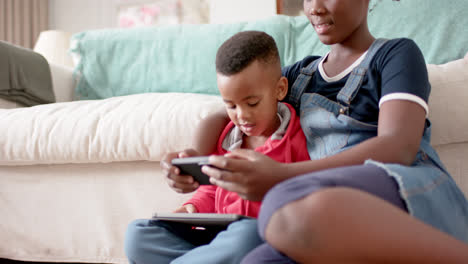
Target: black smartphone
point(192, 166)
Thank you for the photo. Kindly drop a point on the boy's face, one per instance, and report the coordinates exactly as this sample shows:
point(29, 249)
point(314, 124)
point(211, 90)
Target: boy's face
point(251, 98)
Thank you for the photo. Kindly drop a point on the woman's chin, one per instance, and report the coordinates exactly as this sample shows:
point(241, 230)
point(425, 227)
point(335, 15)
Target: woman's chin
point(327, 40)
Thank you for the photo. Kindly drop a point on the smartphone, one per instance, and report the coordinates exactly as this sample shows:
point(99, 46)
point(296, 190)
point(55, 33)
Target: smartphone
point(192, 166)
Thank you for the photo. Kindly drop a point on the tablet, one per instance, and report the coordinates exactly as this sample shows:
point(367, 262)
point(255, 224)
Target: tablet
point(200, 219)
point(192, 166)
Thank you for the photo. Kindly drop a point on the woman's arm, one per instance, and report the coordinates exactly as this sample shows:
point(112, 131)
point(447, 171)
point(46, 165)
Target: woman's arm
point(400, 129)
point(208, 131)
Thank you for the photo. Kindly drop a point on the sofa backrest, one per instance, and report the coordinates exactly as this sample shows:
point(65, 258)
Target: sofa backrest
point(438, 27)
point(180, 58)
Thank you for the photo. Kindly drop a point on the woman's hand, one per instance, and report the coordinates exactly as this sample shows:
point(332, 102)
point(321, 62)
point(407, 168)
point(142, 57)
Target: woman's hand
point(179, 183)
point(246, 172)
point(188, 208)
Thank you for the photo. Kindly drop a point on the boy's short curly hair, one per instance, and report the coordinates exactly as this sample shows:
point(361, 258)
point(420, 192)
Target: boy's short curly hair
point(240, 50)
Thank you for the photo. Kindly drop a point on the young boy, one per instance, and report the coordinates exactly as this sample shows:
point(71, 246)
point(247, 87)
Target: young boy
point(250, 83)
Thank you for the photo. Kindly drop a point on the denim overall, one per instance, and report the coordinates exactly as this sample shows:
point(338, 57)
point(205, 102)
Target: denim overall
point(430, 193)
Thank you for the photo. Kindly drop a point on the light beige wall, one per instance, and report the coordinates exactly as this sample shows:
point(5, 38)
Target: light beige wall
point(226, 11)
point(76, 16)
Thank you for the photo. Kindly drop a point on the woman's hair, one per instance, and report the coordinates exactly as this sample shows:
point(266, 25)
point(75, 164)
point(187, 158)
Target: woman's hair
point(245, 47)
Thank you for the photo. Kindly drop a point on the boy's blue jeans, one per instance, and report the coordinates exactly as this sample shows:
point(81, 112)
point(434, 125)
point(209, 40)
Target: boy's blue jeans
point(149, 241)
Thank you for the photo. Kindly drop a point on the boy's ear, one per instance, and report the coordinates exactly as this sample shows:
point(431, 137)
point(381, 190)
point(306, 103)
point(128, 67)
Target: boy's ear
point(281, 88)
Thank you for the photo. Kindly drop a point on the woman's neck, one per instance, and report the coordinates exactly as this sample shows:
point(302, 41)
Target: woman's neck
point(344, 54)
point(354, 45)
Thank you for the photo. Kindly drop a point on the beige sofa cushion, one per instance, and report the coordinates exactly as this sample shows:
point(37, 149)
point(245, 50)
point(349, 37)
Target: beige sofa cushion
point(448, 111)
point(455, 158)
point(125, 128)
point(448, 102)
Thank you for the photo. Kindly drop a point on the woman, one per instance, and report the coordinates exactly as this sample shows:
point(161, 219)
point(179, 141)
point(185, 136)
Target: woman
point(374, 189)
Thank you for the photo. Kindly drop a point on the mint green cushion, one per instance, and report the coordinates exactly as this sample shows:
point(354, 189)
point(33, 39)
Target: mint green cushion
point(439, 27)
point(181, 58)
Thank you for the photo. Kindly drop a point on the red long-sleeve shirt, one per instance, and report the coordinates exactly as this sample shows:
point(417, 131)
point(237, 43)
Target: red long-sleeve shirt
point(291, 147)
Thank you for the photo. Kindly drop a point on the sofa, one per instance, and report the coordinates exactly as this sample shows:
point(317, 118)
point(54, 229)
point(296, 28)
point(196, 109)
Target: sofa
point(75, 172)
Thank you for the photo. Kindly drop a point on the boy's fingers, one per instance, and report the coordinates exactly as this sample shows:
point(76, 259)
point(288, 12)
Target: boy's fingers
point(183, 187)
point(180, 210)
point(183, 179)
point(188, 153)
point(166, 161)
point(190, 208)
point(169, 170)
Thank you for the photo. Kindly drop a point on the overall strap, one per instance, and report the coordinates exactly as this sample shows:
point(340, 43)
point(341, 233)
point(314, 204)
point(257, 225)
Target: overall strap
point(349, 91)
point(300, 84)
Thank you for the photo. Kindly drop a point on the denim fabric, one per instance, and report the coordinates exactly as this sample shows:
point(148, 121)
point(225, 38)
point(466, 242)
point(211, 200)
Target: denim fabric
point(368, 178)
point(149, 241)
point(431, 195)
point(143, 243)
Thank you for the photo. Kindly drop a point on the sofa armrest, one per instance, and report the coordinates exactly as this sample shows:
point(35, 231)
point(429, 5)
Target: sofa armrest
point(63, 82)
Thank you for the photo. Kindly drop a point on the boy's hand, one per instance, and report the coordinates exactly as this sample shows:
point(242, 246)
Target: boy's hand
point(188, 208)
point(179, 183)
